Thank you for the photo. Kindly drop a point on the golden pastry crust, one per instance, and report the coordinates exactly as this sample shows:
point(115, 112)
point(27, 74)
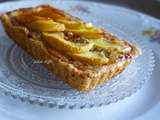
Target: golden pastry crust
point(79, 75)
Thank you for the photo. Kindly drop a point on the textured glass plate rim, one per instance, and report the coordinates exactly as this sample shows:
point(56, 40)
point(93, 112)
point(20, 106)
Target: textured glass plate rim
point(33, 99)
point(43, 102)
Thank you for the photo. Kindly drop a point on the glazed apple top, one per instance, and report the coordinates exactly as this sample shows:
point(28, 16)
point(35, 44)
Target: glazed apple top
point(72, 37)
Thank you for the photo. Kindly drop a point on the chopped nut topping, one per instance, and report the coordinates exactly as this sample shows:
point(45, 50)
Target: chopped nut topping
point(75, 38)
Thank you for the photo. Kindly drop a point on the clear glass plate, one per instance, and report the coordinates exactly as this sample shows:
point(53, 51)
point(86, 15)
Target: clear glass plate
point(22, 79)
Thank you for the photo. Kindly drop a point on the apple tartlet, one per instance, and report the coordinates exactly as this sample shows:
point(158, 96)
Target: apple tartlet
point(82, 55)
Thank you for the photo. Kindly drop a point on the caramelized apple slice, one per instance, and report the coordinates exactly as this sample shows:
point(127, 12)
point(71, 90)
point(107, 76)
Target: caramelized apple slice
point(71, 24)
point(103, 43)
point(91, 57)
point(25, 17)
point(76, 24)
point(58, 42)
point(45, 26)
point(37, 23)
point(88, 33)
point(47, 11)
